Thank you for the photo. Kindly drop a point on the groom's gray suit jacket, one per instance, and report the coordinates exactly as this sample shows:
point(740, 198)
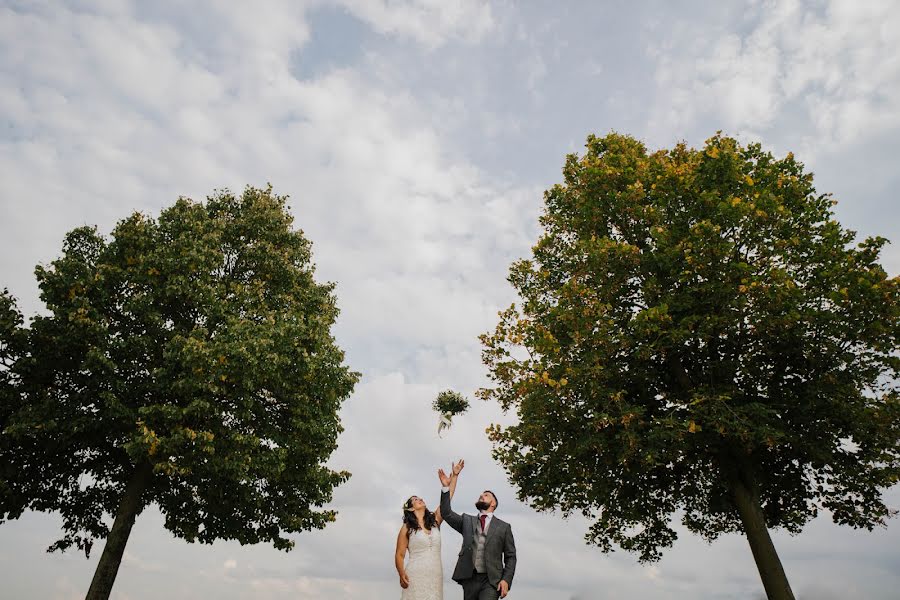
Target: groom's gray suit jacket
point(499, 546)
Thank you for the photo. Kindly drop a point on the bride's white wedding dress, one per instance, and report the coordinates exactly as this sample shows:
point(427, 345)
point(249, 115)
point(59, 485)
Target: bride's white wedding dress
point(426, 575)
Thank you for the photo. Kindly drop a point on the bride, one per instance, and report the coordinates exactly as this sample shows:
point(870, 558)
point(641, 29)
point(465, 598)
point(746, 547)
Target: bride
point(422, 578)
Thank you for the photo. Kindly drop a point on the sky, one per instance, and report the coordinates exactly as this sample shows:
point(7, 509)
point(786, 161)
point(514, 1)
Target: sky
point(415, 139)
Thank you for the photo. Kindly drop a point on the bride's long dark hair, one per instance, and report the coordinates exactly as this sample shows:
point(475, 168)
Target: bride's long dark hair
point(412, 521)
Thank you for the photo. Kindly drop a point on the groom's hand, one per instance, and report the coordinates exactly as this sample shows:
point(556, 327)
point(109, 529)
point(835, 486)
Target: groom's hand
point(445, 480)
point(503, 588)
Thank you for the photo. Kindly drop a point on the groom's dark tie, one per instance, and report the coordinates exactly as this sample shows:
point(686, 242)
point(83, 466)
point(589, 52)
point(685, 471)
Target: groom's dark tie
point(483, 519)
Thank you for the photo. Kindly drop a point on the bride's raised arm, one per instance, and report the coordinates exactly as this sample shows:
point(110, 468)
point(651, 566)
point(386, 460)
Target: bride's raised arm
point(449, 482)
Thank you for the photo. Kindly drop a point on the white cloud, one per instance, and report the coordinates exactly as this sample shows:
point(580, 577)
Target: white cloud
point(833, 64)
point(134, 561)
point(430, 22)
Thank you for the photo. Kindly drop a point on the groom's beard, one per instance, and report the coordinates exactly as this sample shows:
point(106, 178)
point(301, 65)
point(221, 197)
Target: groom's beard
point(482, 505)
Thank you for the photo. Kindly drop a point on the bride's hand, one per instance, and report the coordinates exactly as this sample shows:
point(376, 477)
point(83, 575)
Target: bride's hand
point(457, 467)
point(404, 580)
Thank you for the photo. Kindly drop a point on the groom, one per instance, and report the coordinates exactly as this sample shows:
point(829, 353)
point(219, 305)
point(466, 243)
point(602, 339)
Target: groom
point(487, 561)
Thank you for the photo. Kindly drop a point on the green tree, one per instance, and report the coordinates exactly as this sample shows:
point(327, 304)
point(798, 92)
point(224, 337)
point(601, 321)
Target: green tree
point(697, 333)
point(12, 339)
point(186, 361)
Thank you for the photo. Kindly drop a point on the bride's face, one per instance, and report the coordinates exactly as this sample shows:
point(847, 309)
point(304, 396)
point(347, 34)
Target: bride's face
point(417, 502)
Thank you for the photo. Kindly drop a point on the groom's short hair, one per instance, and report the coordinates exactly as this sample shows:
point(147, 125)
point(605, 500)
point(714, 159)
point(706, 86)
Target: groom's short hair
point(496, 502)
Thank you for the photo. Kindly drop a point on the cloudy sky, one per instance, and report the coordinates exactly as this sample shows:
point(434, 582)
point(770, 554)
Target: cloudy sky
point(415, 138)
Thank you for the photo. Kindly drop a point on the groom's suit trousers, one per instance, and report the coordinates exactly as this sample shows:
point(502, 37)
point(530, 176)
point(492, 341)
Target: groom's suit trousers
point(478, 587)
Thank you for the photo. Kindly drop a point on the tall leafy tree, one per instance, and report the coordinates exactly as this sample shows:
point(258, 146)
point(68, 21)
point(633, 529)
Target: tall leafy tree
point(697, 334)
point(186, 362)
point(12, 340)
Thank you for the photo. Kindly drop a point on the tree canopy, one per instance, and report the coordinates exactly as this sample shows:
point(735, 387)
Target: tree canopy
point(697, 334)
point(185, 361)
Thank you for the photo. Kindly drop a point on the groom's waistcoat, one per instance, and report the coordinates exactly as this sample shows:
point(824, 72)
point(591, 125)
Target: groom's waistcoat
point(480, 539)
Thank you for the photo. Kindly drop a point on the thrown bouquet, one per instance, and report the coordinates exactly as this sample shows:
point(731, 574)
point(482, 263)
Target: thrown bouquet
point(449, 404)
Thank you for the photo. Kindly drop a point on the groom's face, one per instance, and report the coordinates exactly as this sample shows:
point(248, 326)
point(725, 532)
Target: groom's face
point(486, 501)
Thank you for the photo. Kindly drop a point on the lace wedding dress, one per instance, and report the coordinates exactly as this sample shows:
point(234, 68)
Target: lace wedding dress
point(426, 575)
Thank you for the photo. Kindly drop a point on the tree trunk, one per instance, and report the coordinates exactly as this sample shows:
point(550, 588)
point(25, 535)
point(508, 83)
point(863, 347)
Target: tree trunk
point(129, 507)
point(746, 500)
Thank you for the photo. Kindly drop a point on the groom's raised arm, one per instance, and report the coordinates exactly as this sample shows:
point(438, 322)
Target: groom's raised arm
point(447, 513)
